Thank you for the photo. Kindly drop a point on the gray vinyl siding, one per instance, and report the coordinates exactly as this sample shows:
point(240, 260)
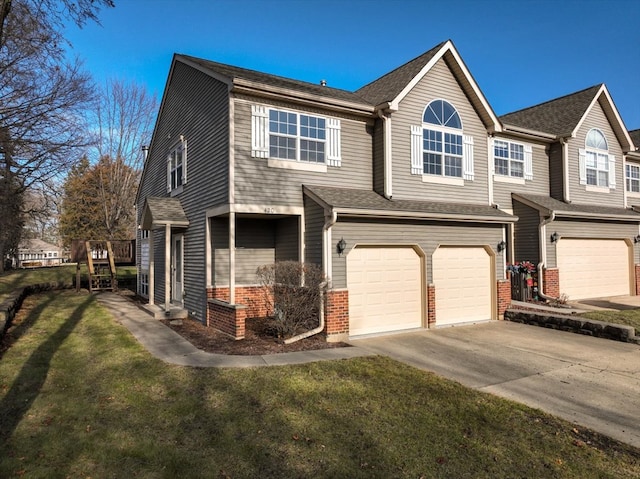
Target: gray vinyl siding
point(197, 107)
point(539, 185)
point(438, 83)
point(556, 171)
point(257, 183)
point(287, 234)
point(378, 157)
point(219, 251)
point(426, 235)
point(526, 233)
point(590, 229)
point(615, 197)
point(314, 222)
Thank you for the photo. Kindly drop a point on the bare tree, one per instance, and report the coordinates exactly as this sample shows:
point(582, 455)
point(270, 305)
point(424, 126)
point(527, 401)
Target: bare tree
point(42, 100)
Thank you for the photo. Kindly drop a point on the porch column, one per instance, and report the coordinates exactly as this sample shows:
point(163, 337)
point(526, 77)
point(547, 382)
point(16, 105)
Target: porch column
point(152, 281)
point(167, 267)
point(232, 258)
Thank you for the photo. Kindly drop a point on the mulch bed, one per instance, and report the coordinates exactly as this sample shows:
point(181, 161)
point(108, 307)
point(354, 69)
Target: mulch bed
point(258, 339)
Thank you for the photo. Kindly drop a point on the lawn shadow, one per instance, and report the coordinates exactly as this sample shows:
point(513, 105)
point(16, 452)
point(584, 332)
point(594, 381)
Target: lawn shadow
point(28, 384)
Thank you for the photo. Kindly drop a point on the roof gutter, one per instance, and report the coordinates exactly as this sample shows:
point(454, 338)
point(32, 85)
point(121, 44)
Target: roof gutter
point(371, 213)
point(565, 167)
point(526, 132)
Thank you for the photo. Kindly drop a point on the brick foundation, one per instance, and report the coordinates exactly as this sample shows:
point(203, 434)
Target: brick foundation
point(336, 316)
point(637, 271)
point(504, 296)
point(551, 282)
point(431, 305)
point(228, 318)
point(250, 296)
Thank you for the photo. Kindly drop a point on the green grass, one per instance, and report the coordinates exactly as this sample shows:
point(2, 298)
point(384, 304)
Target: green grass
point(630, 317)
point(79, 397)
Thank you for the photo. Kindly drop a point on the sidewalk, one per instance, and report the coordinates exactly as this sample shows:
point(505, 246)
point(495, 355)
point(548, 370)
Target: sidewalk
point(169, 346)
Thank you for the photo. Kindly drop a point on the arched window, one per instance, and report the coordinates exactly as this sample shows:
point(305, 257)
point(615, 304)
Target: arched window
point(442, 146)
point(598, 163)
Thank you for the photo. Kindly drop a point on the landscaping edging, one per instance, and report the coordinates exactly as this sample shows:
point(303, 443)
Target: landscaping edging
point(572, 323)
point(11, 305)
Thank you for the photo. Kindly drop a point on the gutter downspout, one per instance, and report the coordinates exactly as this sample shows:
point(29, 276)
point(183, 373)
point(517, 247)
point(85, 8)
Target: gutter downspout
point(543, 254)
point(330, 220)
point(386, 126)
point(566, 197)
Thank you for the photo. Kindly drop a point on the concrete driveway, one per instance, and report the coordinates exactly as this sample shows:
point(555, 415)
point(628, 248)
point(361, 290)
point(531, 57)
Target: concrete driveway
point(589, 381)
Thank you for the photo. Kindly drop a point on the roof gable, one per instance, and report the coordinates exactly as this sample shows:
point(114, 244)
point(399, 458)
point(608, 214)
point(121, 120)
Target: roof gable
point(389, 90)
point(563, 117)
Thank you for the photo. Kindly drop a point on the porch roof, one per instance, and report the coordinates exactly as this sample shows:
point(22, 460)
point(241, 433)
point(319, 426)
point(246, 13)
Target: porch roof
point(356, 202)
point(548, 205)
point(160, 212)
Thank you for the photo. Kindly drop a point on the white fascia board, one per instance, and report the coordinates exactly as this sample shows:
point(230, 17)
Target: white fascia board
point(448, 47)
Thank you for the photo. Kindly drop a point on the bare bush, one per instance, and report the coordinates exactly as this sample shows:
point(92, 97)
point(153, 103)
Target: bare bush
point(293, 291)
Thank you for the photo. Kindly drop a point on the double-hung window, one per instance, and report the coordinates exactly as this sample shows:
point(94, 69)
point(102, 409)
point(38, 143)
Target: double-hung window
point(438, 146)
point(177, 167)
point(296, 136)
point(597, 166)
point(302, 138)
point(632, 176)
point(512, 159)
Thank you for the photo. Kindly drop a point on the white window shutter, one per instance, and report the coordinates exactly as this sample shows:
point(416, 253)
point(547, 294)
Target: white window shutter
point(467, 160)
point(168, 173)
point(528, 162)
point(333, 142)
point(582, 156)
point(612, 171)
point(259, 131)
point(184, 162)
point(417, 166)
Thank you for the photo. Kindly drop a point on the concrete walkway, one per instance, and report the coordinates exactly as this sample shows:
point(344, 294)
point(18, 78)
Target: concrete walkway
point(589, 381)
point(169, 346)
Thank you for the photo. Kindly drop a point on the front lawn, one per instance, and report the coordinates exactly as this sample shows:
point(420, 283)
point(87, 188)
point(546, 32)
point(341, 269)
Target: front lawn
point(79, 397)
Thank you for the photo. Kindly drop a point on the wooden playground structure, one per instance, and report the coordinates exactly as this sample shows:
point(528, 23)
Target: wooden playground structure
point(101, 258)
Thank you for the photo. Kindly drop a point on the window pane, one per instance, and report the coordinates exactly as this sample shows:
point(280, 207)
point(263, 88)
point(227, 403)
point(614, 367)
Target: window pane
point(592, 177)
point(432, 140)
point(592, 161)
point(501, 149)
point(432, 164)
point(517, 152)
point(453, 144)
point(453, 166)
point(502, 166)
point(517, 169)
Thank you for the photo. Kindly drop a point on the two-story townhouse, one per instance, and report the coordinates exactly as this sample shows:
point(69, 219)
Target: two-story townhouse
point(581, 230)
point(388, 188)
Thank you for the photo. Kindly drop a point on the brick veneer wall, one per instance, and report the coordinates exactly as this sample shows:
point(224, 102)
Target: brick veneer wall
point(551, 282)
point(228, 318)
point(504, 296)
point(336, 316)
point(250, 296)
point(431, 305)
point(637, 268)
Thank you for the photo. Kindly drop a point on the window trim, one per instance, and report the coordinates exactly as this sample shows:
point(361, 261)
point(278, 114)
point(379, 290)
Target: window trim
point(627, 178)
point(598, 152)
point(171, 188)
point(527, 162)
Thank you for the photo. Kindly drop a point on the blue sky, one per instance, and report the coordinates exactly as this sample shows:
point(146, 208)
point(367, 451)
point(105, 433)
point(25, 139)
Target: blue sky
point(521, 52)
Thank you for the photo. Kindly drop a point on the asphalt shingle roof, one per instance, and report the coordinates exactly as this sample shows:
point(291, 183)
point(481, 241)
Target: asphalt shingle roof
point(233, 72)
point(389, 86)
point(551, 204)
point(635, 137)
point(558, 117)
point(166, 210)
point(356, 199)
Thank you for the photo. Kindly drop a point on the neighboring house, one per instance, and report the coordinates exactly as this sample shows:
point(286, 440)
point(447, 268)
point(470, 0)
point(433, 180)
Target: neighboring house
point(402, 192)
point(35, 253)
point(581, 230)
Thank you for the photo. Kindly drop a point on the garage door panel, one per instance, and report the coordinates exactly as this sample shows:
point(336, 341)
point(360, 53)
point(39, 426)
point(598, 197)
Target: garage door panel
point(591, 268)
point(462, 279)
point(385, 289)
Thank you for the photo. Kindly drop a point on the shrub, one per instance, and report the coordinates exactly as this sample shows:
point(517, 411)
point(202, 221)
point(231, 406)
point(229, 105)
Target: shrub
point(293, 292)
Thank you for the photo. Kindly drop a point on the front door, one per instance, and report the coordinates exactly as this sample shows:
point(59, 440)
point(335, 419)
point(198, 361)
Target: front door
point(176, 268)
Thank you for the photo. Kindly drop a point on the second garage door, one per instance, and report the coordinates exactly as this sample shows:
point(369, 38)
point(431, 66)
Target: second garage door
point(462, 277)
point(591, 268)
point(385, 289)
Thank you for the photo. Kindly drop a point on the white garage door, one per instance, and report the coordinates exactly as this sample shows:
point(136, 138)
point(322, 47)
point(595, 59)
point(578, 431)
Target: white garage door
point(591, 268)
point(385, 289)
point(462, 278)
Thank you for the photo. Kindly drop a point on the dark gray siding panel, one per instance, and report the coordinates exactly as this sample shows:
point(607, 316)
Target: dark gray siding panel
point(590, 229)
point(556, 171)
point(526, 233)
point(257, 183)
point(314, 222)
point(426, 235)
point(579, 193)
point(438, 83)
point(287, 244)
point(197, 107)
